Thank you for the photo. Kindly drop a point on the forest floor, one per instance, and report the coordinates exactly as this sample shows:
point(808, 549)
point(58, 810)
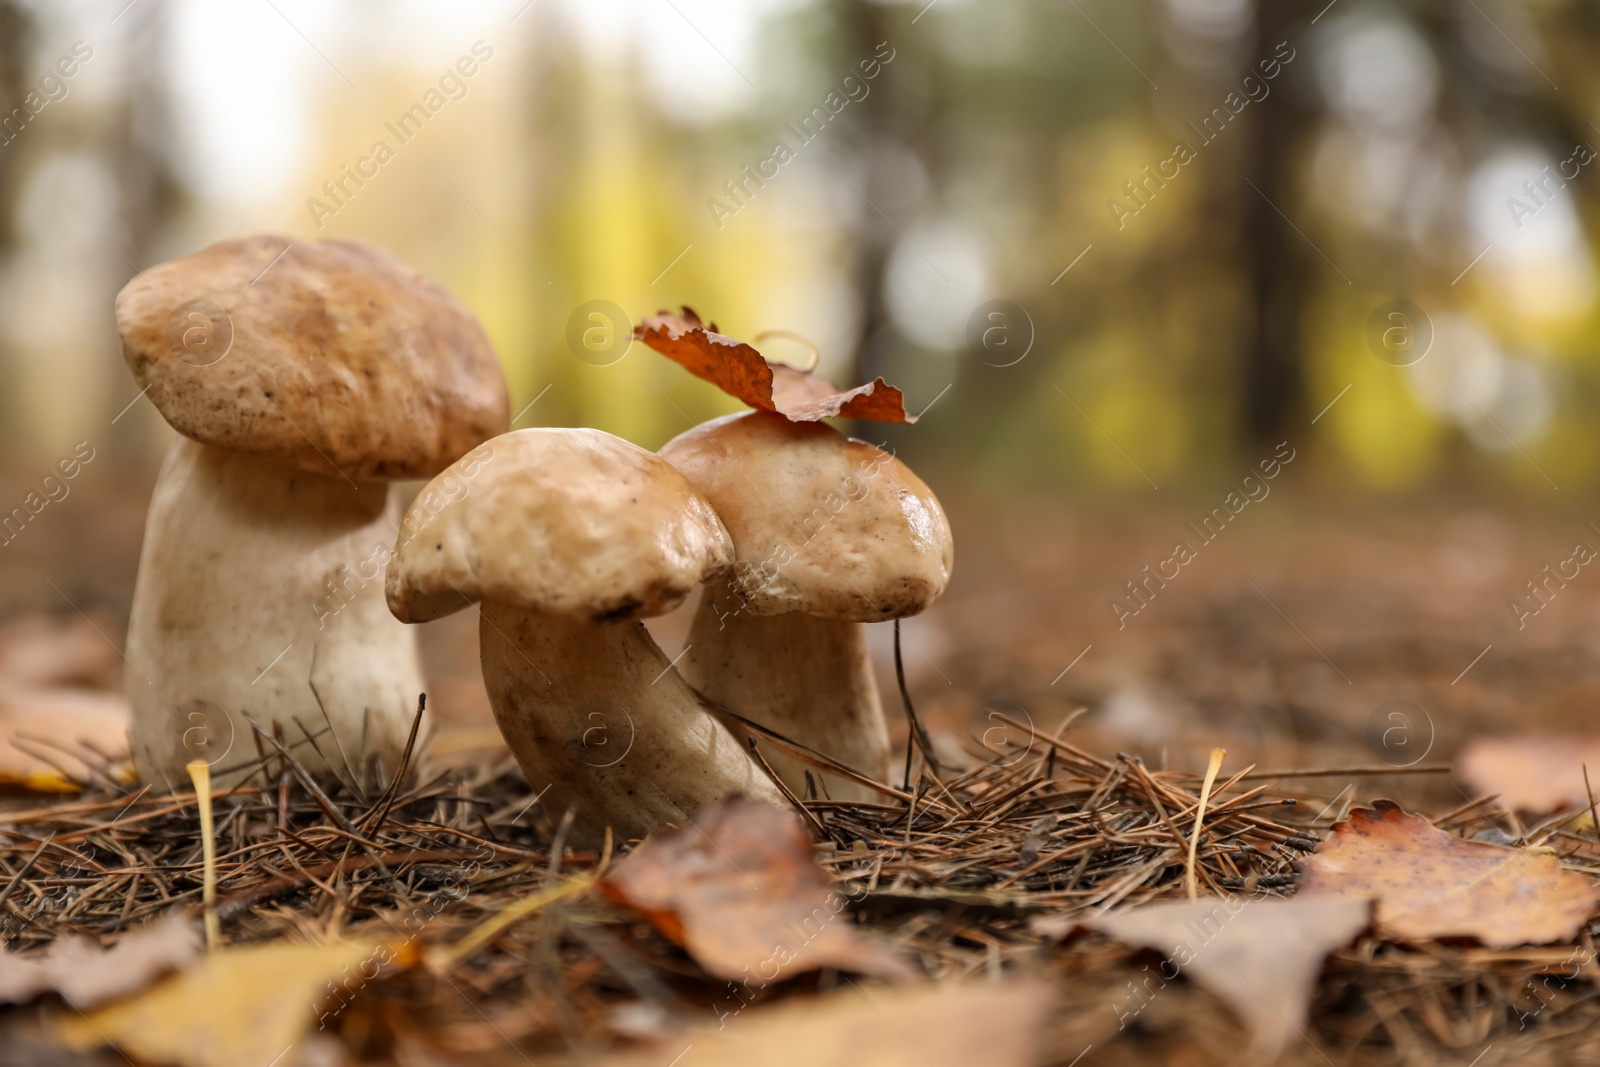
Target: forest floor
point(1365, 641)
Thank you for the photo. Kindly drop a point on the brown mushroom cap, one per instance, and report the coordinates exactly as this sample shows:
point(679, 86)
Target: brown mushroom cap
point(330, 356)
point(821, 524)
point(569, 522)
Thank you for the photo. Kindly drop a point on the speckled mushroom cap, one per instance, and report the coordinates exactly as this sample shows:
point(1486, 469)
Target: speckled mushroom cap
point(330, 356)
point(821, 524)
point(569, 522)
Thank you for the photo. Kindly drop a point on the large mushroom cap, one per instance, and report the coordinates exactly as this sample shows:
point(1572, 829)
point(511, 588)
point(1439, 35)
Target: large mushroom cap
point(821, 524)
point(330, 356)
point(568, 522)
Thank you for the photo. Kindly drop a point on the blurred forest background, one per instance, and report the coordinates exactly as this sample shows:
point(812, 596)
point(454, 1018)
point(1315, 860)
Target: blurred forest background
point(1197, 206)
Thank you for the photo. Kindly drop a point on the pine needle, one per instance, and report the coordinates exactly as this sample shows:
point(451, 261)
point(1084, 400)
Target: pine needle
point(444, 960)
point(1190, 881)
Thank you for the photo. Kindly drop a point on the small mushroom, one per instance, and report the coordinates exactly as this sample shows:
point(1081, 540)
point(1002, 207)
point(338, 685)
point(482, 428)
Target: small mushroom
point(303, 378)
point(828, 533)
point(569, 538)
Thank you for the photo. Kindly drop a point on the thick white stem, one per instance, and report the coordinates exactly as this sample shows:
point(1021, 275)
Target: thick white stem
point(257, 582)
point(808, 678)
point(601, 722)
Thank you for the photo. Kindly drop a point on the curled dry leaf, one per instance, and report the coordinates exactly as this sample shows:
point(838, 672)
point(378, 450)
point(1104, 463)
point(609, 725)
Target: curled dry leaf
point(740, 890)
point(1534, 774)
point(1432, 884)
point(742, 372)
point(87, 975)
point(941, 1026)
point(1261, 957)
point(238, 1006)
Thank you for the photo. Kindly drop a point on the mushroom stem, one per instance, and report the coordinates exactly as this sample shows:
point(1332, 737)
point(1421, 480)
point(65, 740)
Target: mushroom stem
point(258, 582)
point(806, 677)
point(596, 715)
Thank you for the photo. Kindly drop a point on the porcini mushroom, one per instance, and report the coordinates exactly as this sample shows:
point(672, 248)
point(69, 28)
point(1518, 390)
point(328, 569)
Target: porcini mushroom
point(303, 378)
point(828, 533)
point(569, 538)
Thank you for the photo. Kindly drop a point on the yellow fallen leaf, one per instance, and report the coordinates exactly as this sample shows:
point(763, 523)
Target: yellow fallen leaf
point(925, 1026)
point(238, 1006)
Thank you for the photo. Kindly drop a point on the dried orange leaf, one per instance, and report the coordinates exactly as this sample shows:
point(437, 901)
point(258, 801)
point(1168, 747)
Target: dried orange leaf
point(1432, 884)
point(993, 1025)
point(1534, 774)
point(743, 373)
point(740, 890)
point(1260, 957)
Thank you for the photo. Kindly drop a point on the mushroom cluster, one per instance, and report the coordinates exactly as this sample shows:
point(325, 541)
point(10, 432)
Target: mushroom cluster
point(568, 538)
point(304, 378)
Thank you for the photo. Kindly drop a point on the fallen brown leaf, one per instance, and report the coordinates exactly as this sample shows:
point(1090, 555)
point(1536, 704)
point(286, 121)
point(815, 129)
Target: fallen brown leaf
point(940, 1026)
point(238, 1006)
point(1533, 774)
point(39, 650)
point(739, 889)
point(1260, 957)
point(1432, 884)
point(87, 975)
point(47, 731)
point(742, 372)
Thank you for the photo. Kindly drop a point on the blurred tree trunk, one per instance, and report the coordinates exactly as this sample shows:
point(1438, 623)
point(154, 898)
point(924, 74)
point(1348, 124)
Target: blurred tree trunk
point(864, 25)
point(143, 138)
point(140, 141)
point(1273, 374)
point(15, 36)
